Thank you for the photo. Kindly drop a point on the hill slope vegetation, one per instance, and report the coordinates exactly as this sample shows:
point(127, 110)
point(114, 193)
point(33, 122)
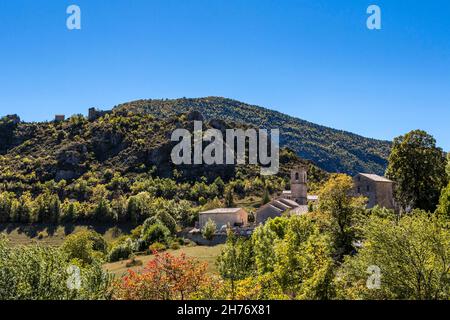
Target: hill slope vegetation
point(330, 149)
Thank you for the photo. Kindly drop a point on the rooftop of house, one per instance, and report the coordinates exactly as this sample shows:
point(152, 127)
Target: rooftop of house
point(221, 210)
point(375, 177)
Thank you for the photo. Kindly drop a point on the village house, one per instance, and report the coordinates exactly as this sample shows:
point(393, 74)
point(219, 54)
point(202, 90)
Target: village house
point(377, 189)
point(224, 217)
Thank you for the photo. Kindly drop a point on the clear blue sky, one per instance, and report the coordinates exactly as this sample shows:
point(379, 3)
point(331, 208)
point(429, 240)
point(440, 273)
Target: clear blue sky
point(313, 59)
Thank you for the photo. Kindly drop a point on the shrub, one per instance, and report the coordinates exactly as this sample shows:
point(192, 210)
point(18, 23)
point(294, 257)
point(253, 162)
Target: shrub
point(175, 245)
point(85, 246)
point(122, 251)
point(155, 233)
point(157, 246)
point(42, 234)
point(209, 229)
point(133, 262)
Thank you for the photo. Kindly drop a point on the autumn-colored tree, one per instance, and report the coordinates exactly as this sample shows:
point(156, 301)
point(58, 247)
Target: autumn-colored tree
point(166, 277)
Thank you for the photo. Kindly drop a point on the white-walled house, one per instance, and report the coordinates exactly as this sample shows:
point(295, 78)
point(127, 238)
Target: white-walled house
point(224, 217)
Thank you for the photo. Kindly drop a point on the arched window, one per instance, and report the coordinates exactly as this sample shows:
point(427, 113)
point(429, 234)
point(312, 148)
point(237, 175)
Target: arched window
point(296, 176)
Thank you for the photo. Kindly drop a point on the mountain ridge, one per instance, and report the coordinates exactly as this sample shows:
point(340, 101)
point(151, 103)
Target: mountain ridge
point(333, 150)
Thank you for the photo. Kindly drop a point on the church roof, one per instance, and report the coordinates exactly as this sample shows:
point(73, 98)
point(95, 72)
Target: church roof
point(375, 177)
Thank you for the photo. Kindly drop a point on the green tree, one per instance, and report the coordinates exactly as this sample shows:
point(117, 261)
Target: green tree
point(6, 202)
point(444, 202)
point(156, 232)
point(408, 260)
point(297, 258)
point(85, 246)
point(264, 238)
point(43, 273)
point(236, 260)
point(304, 266)
point(343, 211)
point(229, 198)
point(103, 211)
point(418, 168)
point(266, 197)
point(447, 168)
point(209, 229)
point(220, 185)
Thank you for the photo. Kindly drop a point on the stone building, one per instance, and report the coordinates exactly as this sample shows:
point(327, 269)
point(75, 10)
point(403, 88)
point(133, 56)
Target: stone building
point(224, 217)
point(60, 118)
point(377, 189)
point(299, 186)
point(294, 201)
point(94, 113)
point(277, 207)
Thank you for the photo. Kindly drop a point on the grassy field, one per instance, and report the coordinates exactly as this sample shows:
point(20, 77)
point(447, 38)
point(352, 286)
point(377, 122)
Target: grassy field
point(44, 234)
point(202, 253)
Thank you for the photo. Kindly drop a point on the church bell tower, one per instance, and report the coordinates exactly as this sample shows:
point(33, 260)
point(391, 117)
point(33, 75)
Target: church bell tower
point(299, 184)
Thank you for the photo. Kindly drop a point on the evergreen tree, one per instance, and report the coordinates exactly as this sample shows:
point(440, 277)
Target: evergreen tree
point(266, 196)
point(229, 198)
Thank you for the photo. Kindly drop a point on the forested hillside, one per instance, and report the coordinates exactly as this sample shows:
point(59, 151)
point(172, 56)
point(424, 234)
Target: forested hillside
point(330, 149)
point(114, 168)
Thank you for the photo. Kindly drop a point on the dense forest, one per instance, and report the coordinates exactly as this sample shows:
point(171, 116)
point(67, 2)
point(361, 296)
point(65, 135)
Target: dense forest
point(330, 149)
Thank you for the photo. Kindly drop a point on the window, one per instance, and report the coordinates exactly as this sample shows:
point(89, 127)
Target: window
point(368, 188)
point(359, 189)
point(296, 176)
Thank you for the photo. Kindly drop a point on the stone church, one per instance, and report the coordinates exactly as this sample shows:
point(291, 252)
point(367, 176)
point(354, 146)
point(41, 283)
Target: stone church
point(378, 190)
point(294, 201)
